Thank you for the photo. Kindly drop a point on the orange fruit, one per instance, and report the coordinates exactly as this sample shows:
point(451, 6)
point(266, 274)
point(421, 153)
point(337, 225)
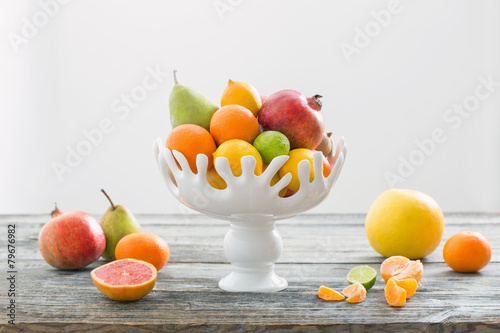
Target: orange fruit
point(234, 150)
point(326, 167)
point(409, 285)
point(395, 296)
point(401, 268)
point(355, 293)
point(191, 140)
point(292, 166)
point(328, 294)
point(467, 252)
point(171, 175)
point(234, 122)
point(242, 93)
point(125, 280)
point(144, 246)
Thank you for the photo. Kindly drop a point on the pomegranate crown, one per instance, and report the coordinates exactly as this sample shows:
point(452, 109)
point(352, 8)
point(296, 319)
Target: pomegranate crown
point(315, 102)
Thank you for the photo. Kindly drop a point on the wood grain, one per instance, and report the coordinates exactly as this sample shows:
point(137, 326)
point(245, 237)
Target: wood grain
point(318, 249)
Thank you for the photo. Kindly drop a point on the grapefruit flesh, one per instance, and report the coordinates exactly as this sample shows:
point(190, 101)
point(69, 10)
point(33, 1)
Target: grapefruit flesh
point(125, 279)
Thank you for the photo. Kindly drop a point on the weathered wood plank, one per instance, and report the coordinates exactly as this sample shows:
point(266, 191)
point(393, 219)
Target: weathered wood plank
point(305, 242)
point(317, 250)
point(188, 294)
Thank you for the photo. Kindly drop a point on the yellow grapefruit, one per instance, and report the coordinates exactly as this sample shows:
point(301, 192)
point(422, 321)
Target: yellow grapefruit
point(404, 223)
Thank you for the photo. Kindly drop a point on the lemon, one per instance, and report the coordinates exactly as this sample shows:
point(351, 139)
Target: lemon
point(215, 180)
point(276, 178)
point(404, 223)
point(241, 93)
point(234, 150)
point(292, 166)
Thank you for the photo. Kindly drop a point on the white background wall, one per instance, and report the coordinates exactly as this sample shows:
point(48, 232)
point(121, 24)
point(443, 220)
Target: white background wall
point(65, 77)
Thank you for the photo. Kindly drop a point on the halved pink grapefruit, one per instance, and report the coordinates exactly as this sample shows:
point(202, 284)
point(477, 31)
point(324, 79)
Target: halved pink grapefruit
point(125, 279)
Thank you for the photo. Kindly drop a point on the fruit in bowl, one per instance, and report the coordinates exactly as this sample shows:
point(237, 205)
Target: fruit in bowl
point(187, 106)
point(298, 117)
point(288, 124)
point(191, 140)
point(234, 122)
point(242, 93)
point(234, 150)
point(271, 144)
point(292, 166)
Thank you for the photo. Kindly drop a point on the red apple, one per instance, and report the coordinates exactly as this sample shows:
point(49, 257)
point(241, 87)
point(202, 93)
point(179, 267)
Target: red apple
point(71, 240)
point(298, 117)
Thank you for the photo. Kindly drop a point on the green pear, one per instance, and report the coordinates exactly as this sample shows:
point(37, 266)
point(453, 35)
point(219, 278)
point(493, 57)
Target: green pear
point(117, 222)
point(187, 106)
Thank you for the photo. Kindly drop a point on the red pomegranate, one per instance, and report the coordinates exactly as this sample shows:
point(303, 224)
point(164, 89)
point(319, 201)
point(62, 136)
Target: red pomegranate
point(71, 240)
point(298, 117)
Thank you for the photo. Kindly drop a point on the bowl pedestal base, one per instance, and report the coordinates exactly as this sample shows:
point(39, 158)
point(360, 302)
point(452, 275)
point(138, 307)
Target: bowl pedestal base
point(252, 246)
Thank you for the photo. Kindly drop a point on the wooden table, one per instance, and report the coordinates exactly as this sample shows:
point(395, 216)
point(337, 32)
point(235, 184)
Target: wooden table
point(318, 250)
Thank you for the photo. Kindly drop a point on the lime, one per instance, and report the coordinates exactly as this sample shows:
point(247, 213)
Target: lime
point(271, 144)
point(365, 275)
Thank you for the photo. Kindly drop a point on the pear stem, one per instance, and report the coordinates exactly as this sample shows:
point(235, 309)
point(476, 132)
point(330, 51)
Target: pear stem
point(175, 77)
point(107, 196)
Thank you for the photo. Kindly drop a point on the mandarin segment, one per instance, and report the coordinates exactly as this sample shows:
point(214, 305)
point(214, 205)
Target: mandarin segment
point(328, 294)
point(409, 285)
point(395, 296)
point(412, 270)
point(391, 265)
point(401, 268)
point(355, 293)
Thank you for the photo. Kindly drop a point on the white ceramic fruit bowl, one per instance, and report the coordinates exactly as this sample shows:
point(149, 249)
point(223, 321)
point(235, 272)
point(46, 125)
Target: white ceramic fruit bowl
point(251, 205)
